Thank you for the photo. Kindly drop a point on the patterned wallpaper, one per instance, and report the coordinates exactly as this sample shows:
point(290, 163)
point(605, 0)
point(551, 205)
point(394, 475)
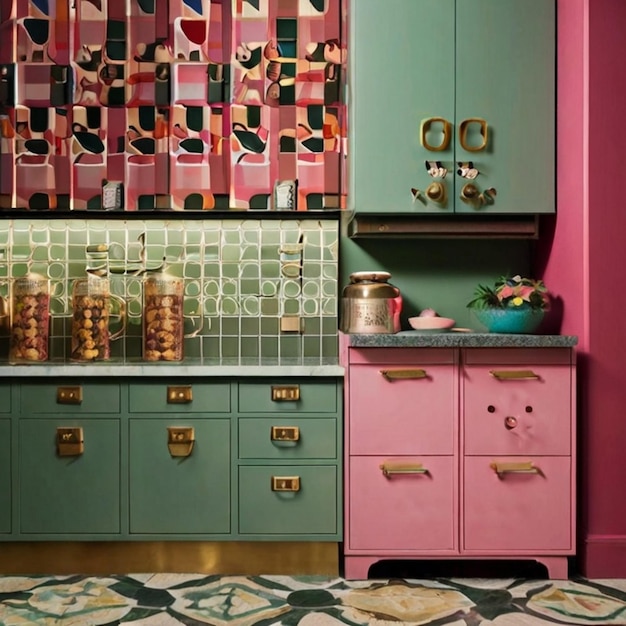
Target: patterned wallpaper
point(172, 104)
point(252, 288)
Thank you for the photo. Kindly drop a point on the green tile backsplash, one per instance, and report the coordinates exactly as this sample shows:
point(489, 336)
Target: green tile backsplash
point(241, 277)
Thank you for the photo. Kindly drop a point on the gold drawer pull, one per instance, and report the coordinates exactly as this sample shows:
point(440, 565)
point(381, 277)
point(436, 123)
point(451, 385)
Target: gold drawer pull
point(402, 468)
point(285, 483)
point(69, 395)
point(180, 440)
point(285, 433)
point(514, 374)
point(70, 441)
point(425, 127)
point(403, 374)
point(519, 467)
point(179, 395)
point(285, 393)
point(483, 130)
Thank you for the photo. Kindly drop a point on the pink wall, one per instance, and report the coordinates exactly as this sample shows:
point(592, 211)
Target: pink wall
point(587, 259)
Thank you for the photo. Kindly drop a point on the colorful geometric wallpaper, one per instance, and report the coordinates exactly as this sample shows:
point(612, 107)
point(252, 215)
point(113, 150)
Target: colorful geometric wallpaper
point(172, 104)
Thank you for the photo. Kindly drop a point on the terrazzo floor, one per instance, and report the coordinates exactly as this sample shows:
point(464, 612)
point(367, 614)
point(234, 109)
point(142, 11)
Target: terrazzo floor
point(198, 600)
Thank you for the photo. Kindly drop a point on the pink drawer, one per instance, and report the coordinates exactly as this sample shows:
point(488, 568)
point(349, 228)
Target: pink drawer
point(404, 512)
point(518, 512)
point(503, 414)
point(403, 415)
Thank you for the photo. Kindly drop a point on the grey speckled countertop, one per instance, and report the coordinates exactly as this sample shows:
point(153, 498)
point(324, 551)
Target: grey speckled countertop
point(454, 339)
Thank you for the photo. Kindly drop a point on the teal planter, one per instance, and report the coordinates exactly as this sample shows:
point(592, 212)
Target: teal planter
point(518, 321)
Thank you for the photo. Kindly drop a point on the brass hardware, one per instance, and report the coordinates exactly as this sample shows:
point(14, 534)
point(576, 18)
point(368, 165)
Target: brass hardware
point(514, 374)
point(464, 129)
point(519, 467)
point(437, 192)
point(180, 440)
point(179, 395)
point(402, 468)
point(469, 192)
point(285, 483)
point(69, 395)
point(510, 422)
point(447, 133)
point(403, 374)
point(70, 441)
point(286, 393)
point(285, 433)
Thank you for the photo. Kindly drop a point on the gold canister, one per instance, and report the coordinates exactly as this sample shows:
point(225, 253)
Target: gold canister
point(30, 319)
point(93, 309)
point(163, 322)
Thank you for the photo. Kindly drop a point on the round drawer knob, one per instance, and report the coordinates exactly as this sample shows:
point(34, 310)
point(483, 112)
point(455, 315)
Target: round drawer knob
point(510, 422)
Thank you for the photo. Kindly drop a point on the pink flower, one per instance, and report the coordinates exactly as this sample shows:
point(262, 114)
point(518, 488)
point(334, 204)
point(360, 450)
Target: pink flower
point(505, 292)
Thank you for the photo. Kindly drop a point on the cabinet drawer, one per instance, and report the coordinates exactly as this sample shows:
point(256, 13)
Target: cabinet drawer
point(273, 438)
point(274, 397)
point(312, 510)
point(403, 415)
point(5, 476)
point(404, 511)
point(70, 398)
point(5, 398)
point(179, 495)
point(159, 397)
point(69, 494)
point(504, 414)
point(517, 512)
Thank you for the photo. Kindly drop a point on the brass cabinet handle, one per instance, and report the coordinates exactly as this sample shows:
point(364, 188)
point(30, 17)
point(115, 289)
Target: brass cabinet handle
point(70, 441)
point(180, 440)
point(389, 469)
point(514, 374)
point(404, 374)
point(517, 467)
point(464, 129)
point(179, 395)
point(69, 395)
point(285, 483)
point(285, 393)
point(285, 433)
point(447, 133)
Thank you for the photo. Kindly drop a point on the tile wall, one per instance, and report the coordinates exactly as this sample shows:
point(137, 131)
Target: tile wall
point(159, 104)
point(252, 287)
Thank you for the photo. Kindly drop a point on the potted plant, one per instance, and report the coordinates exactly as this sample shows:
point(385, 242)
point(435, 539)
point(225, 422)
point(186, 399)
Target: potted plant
point(513, 305)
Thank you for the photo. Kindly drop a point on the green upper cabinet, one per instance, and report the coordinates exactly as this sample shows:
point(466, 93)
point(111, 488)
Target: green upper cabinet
point(454, 86)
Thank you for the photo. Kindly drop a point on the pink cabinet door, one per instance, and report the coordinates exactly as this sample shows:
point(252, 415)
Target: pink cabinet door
point(517, 512)
point(413, 415)
point(517, 410)
point(402, 512)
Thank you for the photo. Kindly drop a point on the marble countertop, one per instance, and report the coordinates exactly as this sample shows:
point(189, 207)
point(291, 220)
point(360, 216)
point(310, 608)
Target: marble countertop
point(456, 339)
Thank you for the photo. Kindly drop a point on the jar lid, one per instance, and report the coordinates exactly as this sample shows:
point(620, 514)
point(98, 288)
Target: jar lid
point(374, 276)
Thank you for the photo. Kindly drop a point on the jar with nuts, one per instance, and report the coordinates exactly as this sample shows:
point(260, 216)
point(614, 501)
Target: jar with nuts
point(30, 319)
point(92, 308)
point(163, 323)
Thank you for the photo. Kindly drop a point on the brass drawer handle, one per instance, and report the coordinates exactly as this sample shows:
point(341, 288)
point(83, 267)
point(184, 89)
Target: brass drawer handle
point(69, 395)
point(389, 469)
point(404, 374)
point(483, 129)
point(180, 440)
point(179, 395)
point(519, 467)
point(514, 374)
point(285, 433)
point(70, 441)
point(285, 393)
point(285, 483)
point(447, 133)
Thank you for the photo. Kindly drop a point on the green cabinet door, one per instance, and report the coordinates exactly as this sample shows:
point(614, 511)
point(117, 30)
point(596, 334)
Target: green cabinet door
point(5, 476)
point(401, 72)
point(78, 494)
point(179, 495)
point(505, 74)
point(420, 67)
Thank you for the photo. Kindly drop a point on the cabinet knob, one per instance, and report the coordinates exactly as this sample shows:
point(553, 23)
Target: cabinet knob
point(180, 440)
point(436, 192)
point(510, 422)
point(70, 441)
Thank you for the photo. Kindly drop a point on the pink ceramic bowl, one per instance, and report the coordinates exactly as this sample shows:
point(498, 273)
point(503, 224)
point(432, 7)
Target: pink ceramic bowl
point(431, 323)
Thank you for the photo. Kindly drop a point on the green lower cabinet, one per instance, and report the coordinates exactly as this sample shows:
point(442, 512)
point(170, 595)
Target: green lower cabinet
point(179, 495)
point(5, 476)
point(76, 494)
point(285, 500)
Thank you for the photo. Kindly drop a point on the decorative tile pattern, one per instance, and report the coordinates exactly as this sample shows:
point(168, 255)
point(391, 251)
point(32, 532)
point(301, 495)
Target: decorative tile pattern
point(196, 600)
point(242, 279)
point(182, 104)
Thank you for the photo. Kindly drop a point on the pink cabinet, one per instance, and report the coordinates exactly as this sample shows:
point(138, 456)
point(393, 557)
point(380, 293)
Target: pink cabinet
point(459, 453)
